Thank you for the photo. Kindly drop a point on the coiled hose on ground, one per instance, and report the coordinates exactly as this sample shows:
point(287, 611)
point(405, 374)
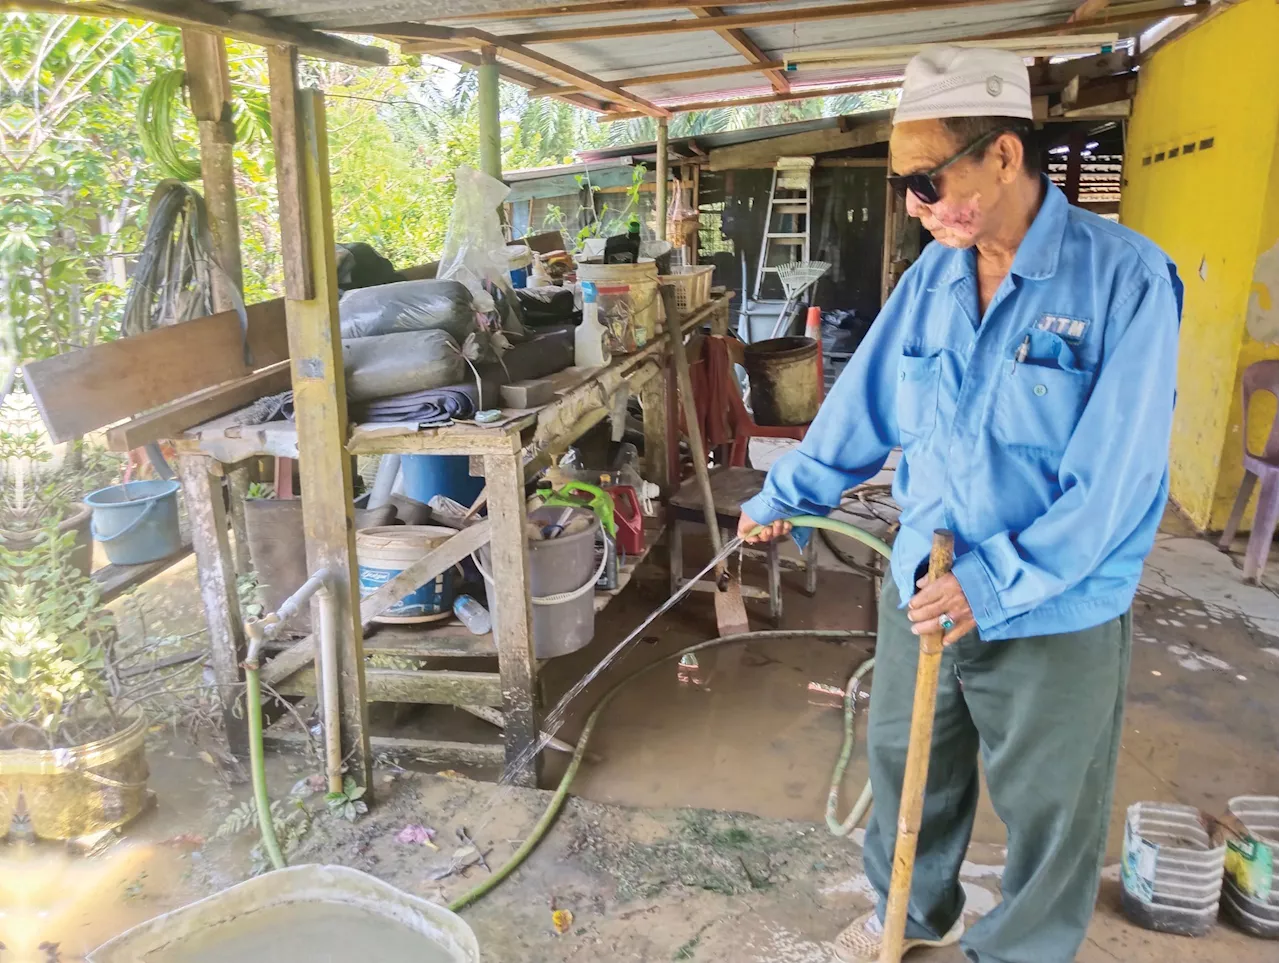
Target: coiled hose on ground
point(837, 827)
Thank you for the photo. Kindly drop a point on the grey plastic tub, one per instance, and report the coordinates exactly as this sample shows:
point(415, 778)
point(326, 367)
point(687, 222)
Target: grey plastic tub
point(1171, 870)
point(558, 566)
point(1257, 917)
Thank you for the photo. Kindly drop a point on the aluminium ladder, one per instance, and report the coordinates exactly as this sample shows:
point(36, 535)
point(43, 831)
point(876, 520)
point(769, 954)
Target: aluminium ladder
point(787, 220)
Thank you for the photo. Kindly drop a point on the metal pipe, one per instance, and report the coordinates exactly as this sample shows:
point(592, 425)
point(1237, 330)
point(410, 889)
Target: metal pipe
point(329, 688)
point(259, 630)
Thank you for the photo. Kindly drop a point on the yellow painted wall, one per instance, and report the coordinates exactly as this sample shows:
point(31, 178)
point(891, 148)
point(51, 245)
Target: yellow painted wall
point(1213, 211)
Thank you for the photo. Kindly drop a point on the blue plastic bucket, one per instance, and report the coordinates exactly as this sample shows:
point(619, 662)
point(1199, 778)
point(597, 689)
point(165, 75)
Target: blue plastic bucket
point(383, 553)
point(136, 522)
point(426, 476)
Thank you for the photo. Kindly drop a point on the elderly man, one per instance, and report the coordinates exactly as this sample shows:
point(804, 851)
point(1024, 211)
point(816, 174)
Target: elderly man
point(1025, 365)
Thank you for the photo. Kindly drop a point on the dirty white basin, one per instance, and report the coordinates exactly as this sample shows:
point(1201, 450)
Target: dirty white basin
point(313, 913)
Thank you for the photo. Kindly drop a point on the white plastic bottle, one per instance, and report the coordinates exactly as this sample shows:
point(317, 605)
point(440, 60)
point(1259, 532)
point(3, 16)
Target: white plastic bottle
point(588, 339)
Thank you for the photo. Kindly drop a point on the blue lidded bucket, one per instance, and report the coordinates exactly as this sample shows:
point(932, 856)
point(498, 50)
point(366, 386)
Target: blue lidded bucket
point(136, 522)
point(383, 553)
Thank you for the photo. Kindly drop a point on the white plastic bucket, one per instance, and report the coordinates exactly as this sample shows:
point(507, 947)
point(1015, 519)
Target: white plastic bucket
point(385, 552)
point(444, 935)
point(629, 305)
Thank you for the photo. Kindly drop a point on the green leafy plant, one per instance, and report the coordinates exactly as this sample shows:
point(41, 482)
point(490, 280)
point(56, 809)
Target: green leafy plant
point(261, 490)
point(348, 804)
point(290, 817)
point(249, 594)
point(51, 651)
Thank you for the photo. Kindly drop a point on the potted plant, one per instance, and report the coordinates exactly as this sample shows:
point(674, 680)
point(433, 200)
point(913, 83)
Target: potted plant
point(69, 755)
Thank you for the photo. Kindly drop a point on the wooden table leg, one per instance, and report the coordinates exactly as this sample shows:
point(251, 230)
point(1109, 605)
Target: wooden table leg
point(657, 438)
point(238, 490)
point(207, 515)
point(512, 610)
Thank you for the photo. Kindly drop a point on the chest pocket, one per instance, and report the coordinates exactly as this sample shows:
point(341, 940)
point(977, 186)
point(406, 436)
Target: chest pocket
point(1037, 405)
point(917, 397)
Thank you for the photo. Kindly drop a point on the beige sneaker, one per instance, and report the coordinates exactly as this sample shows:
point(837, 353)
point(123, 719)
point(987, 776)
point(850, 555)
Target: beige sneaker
point(859, 942)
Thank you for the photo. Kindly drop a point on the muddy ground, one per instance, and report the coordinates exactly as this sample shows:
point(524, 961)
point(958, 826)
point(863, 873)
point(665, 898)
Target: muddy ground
point(697, 834)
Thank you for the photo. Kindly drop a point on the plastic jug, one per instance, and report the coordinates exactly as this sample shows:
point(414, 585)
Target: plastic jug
point(629, 519)
point(588, 339)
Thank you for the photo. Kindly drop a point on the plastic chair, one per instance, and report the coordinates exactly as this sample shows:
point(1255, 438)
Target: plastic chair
point(722, 354)
point(1261, 376)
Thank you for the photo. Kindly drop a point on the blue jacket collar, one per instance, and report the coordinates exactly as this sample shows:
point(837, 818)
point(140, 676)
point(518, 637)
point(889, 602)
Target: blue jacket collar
point(1037, 256)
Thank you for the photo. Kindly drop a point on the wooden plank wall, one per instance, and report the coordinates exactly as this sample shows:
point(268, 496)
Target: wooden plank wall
point(81, 391)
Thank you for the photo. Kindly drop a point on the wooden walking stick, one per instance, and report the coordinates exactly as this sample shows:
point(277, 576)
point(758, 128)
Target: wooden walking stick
point(917, 767)
point(731, 613)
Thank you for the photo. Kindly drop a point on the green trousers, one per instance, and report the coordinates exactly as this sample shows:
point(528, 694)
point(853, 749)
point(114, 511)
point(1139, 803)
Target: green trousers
point(1045, 713)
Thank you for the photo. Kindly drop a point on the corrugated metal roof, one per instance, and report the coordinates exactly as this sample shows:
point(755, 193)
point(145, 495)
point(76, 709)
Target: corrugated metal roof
point(618, 58)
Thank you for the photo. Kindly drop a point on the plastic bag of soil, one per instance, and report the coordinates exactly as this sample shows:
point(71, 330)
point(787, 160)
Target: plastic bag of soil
point(408, 306)
point(393, 364)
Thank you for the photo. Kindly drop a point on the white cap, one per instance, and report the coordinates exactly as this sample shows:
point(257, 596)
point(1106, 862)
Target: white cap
point(948, 81)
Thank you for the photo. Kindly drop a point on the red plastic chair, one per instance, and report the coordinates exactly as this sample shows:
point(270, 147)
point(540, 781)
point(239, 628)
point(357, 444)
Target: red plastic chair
point(1261, 376)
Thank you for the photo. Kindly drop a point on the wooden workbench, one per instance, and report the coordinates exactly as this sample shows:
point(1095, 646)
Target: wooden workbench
point(504, 451)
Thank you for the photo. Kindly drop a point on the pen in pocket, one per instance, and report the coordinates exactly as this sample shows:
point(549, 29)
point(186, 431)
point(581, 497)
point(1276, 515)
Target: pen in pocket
point(1020, 355)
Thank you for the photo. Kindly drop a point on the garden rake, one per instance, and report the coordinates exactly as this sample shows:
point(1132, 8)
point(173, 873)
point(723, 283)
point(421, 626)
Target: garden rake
point(796, 277)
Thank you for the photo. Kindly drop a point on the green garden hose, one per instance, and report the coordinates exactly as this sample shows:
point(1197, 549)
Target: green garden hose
point(156, 127)
point(257, 768)
point(263, 802)
point(833, 823)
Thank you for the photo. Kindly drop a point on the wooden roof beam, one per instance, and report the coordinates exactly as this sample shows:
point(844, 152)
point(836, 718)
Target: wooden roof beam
point(517, 53)
point(577, 9)
point(739, 41)
point(527, 80)
point(765, 99)
point(548, 90)
point(762, 18)
point(240, 26)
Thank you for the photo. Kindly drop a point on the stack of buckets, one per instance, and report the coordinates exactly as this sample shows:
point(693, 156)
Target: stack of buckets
point(1180, 866)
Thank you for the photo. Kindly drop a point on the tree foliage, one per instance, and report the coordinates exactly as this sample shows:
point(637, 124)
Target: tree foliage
point(76, 180)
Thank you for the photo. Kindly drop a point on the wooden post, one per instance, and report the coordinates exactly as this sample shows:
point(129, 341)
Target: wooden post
point(662, 178)
point(890, 240)
point(209, 81)
point(1075, 144)
point(513, 611)
point(319, 389)
point(916, 774)
point(202, 492)
point(489, 108)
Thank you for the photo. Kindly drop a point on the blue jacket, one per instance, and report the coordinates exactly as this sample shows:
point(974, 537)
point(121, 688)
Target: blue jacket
point(1039, 433)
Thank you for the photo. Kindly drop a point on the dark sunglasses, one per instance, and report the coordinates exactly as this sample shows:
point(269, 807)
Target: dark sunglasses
point(922, 183)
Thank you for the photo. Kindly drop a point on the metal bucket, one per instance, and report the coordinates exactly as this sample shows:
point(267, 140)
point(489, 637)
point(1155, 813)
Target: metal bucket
point(383, 553)
point(136, 522)
point(260, 908)
point(784, 380)
point(78, 790)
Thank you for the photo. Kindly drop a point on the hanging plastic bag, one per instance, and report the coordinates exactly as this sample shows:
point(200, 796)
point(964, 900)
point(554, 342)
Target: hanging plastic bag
point(475, 252)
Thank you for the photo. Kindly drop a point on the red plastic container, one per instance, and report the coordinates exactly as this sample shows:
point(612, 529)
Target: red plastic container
point(629, 518)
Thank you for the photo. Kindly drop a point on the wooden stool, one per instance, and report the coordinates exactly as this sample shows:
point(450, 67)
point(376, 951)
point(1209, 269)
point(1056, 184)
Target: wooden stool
point(730, 487)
